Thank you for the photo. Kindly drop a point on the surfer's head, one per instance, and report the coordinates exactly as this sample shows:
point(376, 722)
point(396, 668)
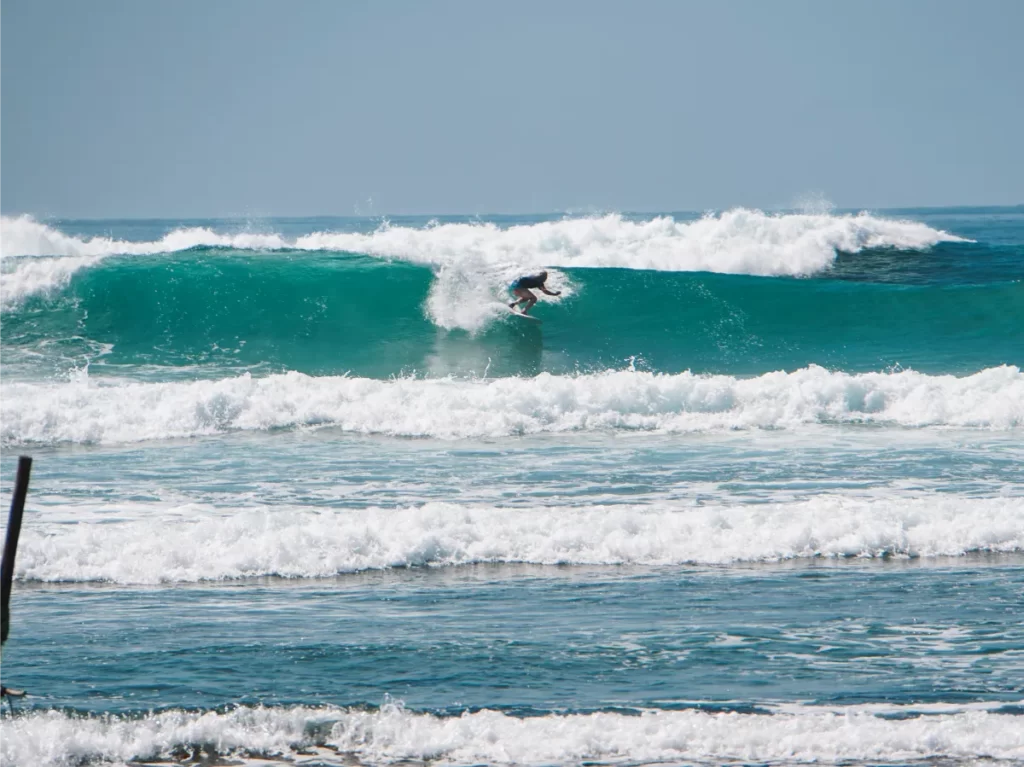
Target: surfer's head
point(543, 276)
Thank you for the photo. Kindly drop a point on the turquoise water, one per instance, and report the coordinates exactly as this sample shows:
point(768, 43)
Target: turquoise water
point(285, 311)
point(305, 493)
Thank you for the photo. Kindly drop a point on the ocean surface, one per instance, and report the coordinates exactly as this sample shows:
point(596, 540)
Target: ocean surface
point(306, 493)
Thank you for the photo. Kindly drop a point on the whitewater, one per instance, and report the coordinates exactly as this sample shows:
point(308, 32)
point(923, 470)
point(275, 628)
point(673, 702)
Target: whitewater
point(192, 543)
point(738, 241)
point(493, 737)
point(305, 492)
point(82, 411)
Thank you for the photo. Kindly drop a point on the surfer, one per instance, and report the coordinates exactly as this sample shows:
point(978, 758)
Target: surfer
point(522, 287)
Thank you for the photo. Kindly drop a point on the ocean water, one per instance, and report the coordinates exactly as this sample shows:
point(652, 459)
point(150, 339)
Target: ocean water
point(306, 493)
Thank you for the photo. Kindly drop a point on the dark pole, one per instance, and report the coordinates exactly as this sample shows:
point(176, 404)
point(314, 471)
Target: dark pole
point(11, 544)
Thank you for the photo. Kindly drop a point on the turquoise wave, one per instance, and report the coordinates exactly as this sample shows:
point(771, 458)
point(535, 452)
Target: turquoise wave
point(336, 313)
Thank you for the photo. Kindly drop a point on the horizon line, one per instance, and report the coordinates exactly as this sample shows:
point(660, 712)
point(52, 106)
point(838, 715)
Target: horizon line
point(493, 214)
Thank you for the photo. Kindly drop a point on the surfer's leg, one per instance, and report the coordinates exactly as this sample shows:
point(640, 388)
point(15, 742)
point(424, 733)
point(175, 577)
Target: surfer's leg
point(529, 300)
point(523, 296)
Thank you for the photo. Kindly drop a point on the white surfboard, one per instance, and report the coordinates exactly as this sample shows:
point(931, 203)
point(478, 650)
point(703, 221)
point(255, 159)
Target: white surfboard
point(519, 314)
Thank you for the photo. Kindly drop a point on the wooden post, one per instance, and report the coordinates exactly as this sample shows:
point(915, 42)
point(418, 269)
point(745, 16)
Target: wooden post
point(11, 544)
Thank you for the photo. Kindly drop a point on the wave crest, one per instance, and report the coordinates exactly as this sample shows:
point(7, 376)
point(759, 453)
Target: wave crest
point(24, 236)
point(738, 241)
point(84, 411)
point(192, 543)
point(390, 734)
point(49, 258)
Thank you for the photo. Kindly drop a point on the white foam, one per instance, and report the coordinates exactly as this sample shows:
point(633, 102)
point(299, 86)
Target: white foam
point(393, 734)
point(96, 411)
point(40, 739)
point(738, 241)
point(490, 736)
point(40, 276)
point(57, 256)
point(24, 236)
point(195, 543)
point(476, 261)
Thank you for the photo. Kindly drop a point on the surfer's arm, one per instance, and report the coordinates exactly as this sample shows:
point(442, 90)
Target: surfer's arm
point(550, 292)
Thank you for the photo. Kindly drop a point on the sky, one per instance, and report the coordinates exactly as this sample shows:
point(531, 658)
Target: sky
point(190, 108)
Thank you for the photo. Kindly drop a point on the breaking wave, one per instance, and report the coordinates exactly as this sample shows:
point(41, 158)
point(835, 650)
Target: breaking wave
point(196, 543)
point(392, 734)
point(96, 411)
point(738, 241)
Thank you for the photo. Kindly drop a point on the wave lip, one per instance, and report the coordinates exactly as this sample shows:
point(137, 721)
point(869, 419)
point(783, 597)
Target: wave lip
point(475, 262)
point(191, 544)
point(24, 236)
point(83, 411)
point(40, 276)
point(55, 257)
point(735, 241)
point(738, 241)
point(392, 733)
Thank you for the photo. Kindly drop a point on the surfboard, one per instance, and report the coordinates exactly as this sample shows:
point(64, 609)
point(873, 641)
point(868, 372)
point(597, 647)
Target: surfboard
point(522, 316)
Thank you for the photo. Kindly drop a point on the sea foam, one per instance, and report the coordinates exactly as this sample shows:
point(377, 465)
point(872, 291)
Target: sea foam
point(390, 734)
point(90, 411)
point(24, 236)
point(55, 257)
point(168, 544)
point(738, 241)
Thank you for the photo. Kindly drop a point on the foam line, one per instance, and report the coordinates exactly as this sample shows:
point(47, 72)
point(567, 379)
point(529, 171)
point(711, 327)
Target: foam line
point(24, 236)
point(196, 543)
point(89, 412)
point(738, 241)
point(392, 734)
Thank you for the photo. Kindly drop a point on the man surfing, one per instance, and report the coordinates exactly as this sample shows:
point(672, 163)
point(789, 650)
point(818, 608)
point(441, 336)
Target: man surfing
point(521, 290)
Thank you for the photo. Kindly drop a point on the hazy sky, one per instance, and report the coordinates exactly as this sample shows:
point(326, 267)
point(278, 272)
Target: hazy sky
point(256, 108)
